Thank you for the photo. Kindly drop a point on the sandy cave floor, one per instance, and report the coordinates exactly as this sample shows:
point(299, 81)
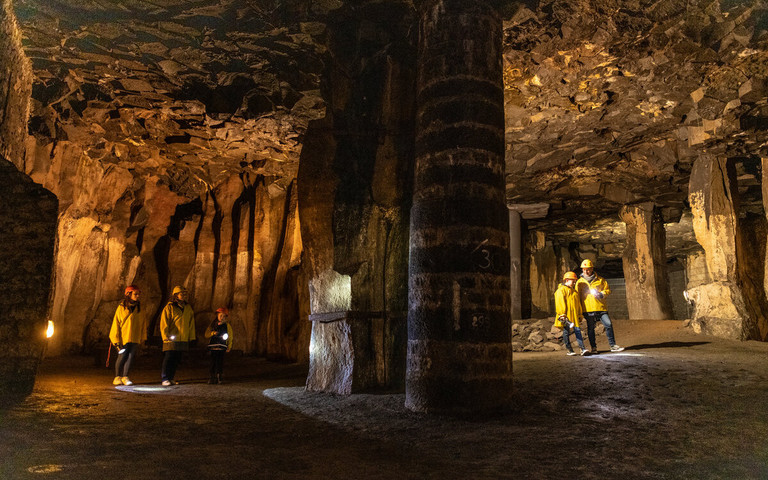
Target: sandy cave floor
point(673, 405)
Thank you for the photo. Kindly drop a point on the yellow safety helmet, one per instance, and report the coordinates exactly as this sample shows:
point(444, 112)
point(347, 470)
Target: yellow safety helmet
point(178, 289)
point(587, 264)
point(570, 276)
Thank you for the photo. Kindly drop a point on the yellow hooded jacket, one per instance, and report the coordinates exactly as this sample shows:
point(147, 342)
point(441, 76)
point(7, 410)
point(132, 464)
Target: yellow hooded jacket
point(568, 303)
point(592, 303)
point(177, 322)
point(128, 326)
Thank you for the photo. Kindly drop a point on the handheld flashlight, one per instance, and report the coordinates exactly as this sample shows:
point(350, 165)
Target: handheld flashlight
point(225, 336)
point(593, 291)
point(172, 337)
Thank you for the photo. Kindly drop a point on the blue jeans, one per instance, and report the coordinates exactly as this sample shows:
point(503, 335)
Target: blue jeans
point(125, 359)
point(567, 339)
point(592, 318)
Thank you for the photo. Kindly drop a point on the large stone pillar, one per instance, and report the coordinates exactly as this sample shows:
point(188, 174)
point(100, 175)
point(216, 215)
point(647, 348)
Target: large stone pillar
point(719, 307)
point(515, 264)
point(459, 352)
point(28, 216)
point(645, 263)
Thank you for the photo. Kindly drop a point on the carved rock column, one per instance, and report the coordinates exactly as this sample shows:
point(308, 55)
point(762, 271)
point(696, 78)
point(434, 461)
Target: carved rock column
point(459, 352)
point(719, 307)
point(645, 263)
point(515, 264)
point(28, 216)
point(544, 274)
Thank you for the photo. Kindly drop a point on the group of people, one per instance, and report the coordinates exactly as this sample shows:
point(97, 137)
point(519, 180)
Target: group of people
point(177, 329)
point(580, 298)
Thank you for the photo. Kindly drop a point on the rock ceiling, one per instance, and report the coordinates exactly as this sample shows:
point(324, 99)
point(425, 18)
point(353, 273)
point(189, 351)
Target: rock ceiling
point(192, 91)
point(608, 102)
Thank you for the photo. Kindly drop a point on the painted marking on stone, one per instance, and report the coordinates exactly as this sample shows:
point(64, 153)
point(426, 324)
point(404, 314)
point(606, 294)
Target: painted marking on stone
point(485, 261)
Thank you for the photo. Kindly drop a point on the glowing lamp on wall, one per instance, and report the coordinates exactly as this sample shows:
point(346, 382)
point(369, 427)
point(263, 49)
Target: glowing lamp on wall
point(49, 330)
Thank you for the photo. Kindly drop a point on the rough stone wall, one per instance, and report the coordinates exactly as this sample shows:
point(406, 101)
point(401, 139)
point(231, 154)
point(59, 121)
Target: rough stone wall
point(751, 254)
point(28, 215)
point(15, 87)
point(677, 285)
point(171, 136)
point(27, 231)
point(617, 300)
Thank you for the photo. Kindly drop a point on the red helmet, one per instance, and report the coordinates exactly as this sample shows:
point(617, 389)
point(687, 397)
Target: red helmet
point(223, 310)
point(131, 288)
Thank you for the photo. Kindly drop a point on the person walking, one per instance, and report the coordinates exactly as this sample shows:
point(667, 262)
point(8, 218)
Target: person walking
point(593, 289)
point(177, 328)
point(127, 332)
point(220, 334)
point(569, 310)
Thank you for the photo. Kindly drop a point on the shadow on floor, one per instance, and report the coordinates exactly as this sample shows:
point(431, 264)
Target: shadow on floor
point(665, 345)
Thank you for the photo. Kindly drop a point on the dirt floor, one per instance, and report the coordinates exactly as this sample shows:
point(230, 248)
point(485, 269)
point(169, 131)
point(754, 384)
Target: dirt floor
point(673, 405)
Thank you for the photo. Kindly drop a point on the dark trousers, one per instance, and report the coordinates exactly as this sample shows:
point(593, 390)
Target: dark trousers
point(217, 363)
point(125, 359)
point(170, 363)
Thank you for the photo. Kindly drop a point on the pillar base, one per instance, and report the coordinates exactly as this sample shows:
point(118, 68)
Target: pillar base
point(719, 310)
point(458, 378)
point(355, 352)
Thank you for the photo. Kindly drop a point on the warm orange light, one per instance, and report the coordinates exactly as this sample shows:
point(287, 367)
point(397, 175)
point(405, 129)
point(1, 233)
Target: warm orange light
point(49, 331)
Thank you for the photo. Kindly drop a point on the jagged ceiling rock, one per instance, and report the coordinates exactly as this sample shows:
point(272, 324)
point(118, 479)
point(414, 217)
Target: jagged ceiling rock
point(608, 102)
point(190, 91)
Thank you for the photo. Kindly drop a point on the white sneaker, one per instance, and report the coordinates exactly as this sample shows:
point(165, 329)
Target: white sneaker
point(616, 348)
point(167, 383)
point(117, 381)
point(584, 352)
point(127, 381)
point(571, 353)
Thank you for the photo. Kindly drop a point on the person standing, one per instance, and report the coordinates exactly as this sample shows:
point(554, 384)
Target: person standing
point(569, 310)
point(177, 328)
point(593, 289)
point(220, 335)
point(127, 332)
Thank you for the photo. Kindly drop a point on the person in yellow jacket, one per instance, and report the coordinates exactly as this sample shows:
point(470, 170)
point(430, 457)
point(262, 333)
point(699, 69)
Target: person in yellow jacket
point(220, 334)
point(177, 328)
point(593, 289)
point(128, 331)
point(568, 308)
